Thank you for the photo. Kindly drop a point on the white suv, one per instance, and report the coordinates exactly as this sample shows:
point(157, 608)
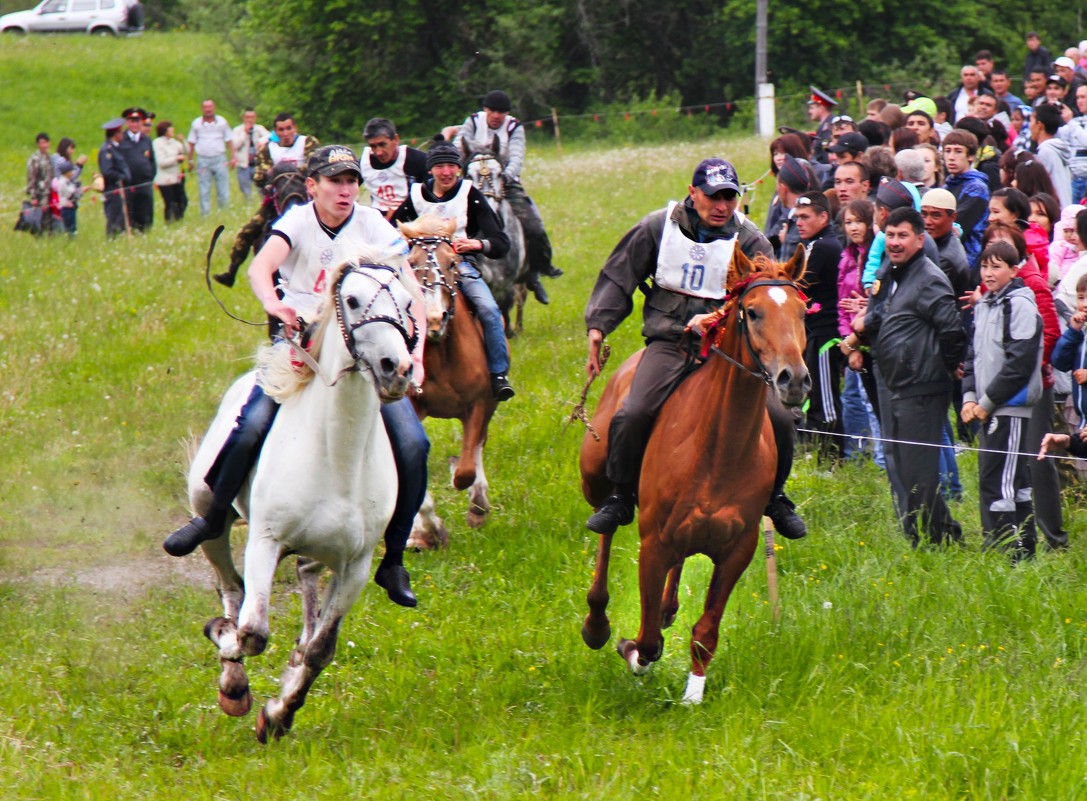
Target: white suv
point(102, 17)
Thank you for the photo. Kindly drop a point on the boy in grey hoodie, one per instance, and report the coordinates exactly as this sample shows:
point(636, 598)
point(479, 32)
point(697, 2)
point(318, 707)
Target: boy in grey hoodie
point(1002, 381)
point(1052, 151)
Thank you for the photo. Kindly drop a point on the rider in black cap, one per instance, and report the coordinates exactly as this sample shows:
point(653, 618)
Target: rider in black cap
point(481, 131)
point(705, 229)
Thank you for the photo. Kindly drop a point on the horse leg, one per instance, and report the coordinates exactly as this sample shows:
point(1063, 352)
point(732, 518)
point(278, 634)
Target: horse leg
point(308, 571)
point(306, 663)
point(704, 636)
point(234, 696)
point(479, 505)
point(596, 629)
point(520, 296)
point(428, 531)
point(670, 601)
point(262, 555)
point(653, 567)
point(464, 470)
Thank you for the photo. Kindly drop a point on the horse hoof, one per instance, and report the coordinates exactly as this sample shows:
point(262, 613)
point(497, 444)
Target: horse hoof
point(236, 707)
point(628, 649)
point(596, 637)
point(477, 517)
point(266, 727)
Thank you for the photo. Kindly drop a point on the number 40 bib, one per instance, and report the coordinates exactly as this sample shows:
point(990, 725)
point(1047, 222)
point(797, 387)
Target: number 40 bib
point(692, 268)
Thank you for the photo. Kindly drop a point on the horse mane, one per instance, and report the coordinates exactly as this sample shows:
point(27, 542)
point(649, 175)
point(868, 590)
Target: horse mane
point(281, 373)
point(428, 225)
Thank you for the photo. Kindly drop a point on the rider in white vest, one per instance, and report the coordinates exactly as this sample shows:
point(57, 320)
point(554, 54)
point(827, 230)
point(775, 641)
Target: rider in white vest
point(307, 240)
point(482, 131)
point(286, 146)
point(388, 167)
point(685, 249)
point(478, 232)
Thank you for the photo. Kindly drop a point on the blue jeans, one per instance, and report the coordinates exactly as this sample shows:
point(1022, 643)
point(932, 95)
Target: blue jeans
point(245, 180)
point(477, 292)
point(858, 420)
point(410, 451)
point(1079, 189)
point(950, 486)
point(208, 169)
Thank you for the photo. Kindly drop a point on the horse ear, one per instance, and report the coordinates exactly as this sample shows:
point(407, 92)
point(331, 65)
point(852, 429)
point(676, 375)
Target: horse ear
point(740, 268)
point(797, 264)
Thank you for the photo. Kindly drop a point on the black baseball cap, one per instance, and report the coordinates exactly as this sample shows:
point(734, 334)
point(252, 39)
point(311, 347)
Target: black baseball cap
point(332, 160)
point(850, 142)
point(714, 175)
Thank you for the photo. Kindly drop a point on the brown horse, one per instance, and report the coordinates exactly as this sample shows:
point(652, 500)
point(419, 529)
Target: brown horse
point(457, 385)
point(709, 467)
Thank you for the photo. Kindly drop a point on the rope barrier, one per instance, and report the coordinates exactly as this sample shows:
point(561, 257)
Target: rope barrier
point(958, 448)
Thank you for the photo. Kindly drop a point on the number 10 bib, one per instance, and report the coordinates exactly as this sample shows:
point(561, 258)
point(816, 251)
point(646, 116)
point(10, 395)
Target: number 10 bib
point(689, 267)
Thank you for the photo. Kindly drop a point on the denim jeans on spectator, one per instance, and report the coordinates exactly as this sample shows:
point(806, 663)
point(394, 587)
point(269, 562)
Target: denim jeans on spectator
point(208, 169)
point(950, 486)
point(245, 180)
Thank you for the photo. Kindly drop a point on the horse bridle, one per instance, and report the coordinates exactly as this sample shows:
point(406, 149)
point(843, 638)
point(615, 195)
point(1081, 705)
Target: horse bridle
point(489, 190)
point(761, 373)
point(429, 246)
point(403, 317)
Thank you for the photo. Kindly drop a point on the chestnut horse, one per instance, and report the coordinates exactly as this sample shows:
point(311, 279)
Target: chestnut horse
point(709, 467)
point(457, 385)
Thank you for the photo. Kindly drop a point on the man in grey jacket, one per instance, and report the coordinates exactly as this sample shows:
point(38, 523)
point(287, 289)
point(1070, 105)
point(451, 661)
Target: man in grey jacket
point(707, 227)
point(1053, 153)
point(913, 323)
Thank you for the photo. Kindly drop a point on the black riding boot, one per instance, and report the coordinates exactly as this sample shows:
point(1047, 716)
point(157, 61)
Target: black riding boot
point(228, 473)
point(536, 286)
point(780, 510)
point(227, 278)
point(617, 510)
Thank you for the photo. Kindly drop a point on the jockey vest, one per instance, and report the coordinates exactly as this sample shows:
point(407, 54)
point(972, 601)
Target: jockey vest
point(295, 153)
point(456, 208)
point(693, 268)
point(482, 136)
point(389, 185)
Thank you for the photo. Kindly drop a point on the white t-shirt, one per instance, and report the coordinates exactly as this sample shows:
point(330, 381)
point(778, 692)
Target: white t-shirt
point(314, 252)
point(209, 138)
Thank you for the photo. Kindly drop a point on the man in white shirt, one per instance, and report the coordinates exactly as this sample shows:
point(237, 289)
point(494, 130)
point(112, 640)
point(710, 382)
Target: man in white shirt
point(211, 143)
point(247, 139)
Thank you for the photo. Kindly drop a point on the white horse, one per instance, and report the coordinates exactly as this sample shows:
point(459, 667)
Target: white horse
point(324, 487)
point(506, 277)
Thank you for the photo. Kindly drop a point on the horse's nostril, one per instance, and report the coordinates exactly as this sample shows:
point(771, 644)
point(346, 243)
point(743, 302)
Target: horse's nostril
point(388, 366)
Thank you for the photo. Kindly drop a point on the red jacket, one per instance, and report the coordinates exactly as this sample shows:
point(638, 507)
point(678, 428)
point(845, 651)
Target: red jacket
point(1038, 246)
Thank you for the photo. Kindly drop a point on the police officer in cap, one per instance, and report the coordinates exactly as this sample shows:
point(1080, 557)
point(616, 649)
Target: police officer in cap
point(819, 112)
point(135, 146)
point(116, 176)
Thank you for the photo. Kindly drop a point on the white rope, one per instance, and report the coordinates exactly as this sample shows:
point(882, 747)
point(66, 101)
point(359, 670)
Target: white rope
point(957, 448)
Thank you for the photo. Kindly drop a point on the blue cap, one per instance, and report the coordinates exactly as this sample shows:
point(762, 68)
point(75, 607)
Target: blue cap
point(714, 175)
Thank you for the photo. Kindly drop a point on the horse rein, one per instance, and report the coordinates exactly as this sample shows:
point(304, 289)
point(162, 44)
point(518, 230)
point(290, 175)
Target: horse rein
point(760, 373)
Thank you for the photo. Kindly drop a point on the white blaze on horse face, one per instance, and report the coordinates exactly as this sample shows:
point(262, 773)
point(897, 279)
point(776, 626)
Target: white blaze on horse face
point(778, 295)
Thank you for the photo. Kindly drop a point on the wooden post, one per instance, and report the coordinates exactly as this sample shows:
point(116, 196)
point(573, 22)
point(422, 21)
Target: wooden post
point(771, 568)
point(558, 136)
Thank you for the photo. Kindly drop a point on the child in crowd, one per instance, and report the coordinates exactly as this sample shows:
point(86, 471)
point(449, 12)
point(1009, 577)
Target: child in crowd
point(1002, 382)
point(68, 192)
point(1070, 352)
point(1065, 247)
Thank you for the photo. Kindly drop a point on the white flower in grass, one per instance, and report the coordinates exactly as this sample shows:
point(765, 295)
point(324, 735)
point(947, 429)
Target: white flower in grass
point(827, 605)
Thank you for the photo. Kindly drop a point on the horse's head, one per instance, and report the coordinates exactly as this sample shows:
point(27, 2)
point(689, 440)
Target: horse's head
point(434, 261)
point(769, 313)
point(371, 305)
point(288, 186)
point(485, 172)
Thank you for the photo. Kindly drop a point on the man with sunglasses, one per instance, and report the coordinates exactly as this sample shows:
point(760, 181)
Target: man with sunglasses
point(685, 251)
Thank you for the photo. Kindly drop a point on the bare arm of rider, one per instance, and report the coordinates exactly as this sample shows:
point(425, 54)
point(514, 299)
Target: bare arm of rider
point(592, 366)
point(261, 270)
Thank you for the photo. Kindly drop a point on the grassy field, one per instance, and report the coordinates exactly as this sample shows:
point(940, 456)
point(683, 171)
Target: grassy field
point(890, 674)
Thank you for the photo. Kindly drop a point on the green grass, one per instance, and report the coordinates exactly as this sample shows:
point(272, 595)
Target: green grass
point(890, 674)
